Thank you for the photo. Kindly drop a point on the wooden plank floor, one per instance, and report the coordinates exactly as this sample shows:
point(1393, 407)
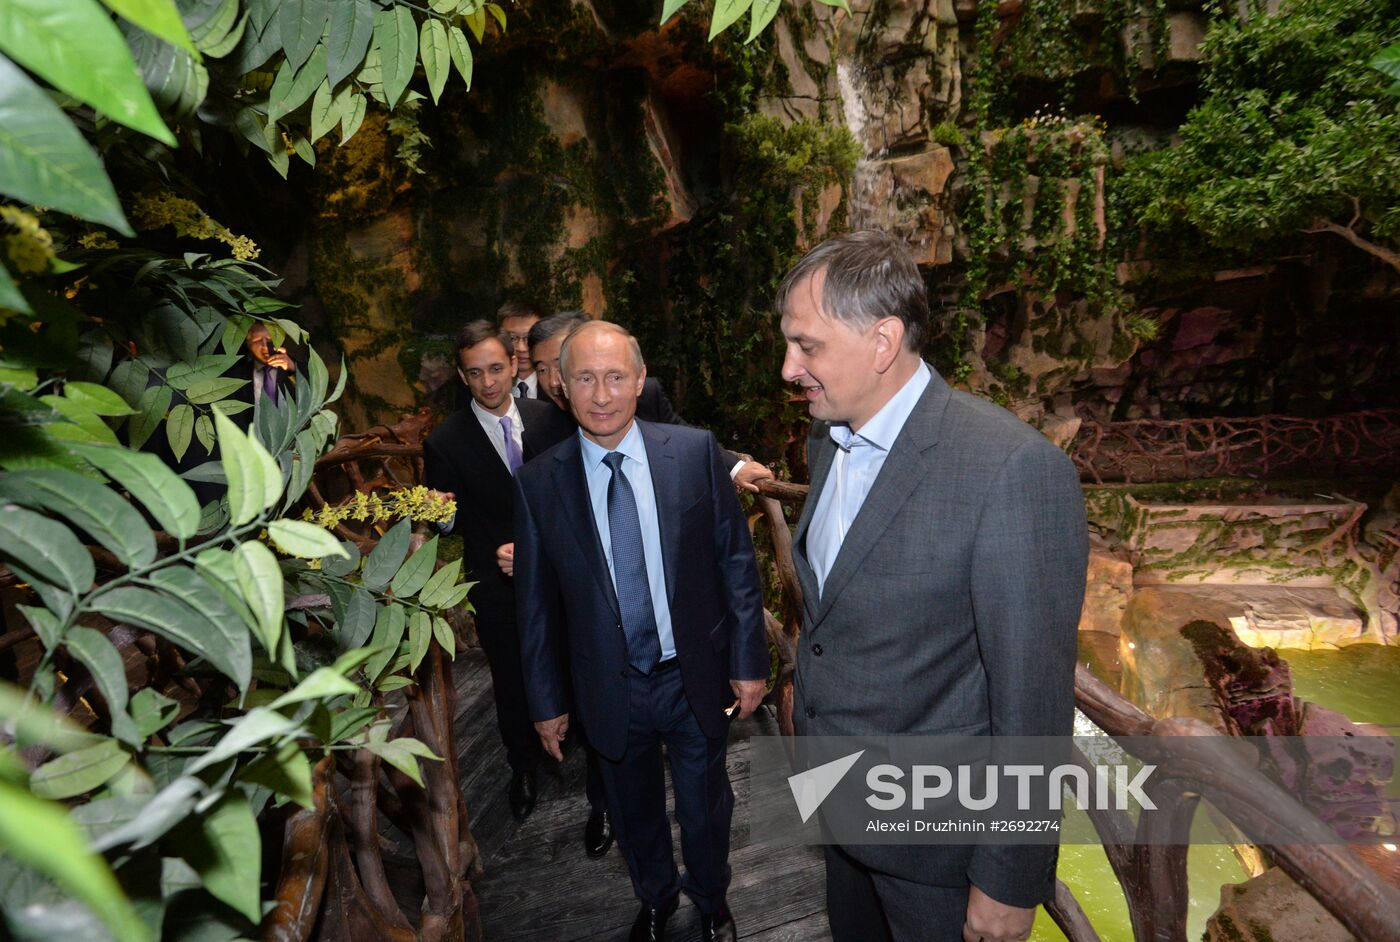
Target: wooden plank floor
point(539, 886)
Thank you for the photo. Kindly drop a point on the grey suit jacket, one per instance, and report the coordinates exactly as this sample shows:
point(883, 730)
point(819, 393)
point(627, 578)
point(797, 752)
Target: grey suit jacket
point(952, 608)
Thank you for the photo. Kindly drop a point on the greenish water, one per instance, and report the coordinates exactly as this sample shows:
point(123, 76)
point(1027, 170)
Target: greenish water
point(1362, 681)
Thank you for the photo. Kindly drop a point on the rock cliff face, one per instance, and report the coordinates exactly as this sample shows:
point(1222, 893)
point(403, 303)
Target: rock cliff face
point(655, 178)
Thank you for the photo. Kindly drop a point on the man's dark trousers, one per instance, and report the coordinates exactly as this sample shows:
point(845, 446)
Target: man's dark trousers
point(635, 789)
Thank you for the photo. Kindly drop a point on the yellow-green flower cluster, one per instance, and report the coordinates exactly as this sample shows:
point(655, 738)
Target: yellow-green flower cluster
point(29, 247)
point(416, 503)
point(156, 209)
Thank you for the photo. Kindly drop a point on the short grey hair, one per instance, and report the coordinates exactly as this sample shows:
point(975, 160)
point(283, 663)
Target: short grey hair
point(633, 347)
point(870, 275)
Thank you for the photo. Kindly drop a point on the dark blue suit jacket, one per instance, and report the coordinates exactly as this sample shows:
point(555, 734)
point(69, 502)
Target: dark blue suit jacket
point(567, 609)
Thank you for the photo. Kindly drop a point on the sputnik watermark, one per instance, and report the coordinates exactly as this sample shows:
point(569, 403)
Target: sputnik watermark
point(997, 790)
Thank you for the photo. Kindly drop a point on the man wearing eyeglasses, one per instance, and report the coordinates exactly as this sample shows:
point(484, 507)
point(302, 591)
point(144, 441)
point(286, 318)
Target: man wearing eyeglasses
point(515, 319)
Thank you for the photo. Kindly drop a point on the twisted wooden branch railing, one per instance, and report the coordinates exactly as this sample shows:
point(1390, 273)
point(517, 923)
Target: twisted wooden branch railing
point(1149, 857)
point(1148, 450)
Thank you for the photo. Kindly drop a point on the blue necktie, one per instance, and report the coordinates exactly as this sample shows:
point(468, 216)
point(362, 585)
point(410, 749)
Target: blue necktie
point(630, 567)
point(514, 459)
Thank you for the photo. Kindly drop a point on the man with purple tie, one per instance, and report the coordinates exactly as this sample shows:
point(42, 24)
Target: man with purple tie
point(473, 455)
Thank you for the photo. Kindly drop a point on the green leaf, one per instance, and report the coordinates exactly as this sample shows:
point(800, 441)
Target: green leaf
point(78, 772)
point(185, 375)
point(166, 809)
point(445, 7)
point(292, 86)
point(260, 582)
point(498, 12)
point(476, 22)
point(45, 161)
point(77, 48)
point(157, 17)
point(322, 684)
point(210, 23)
point(45, 548)
point(248, 467)
point(160, 490)
point(840, 4)
point(152, 711)
point(150, 412)
point(386, 557)
point(324, 115)
point(414, 573)
point(39, 834)
point(342, 566)
point(256, 726)
point(286, 772)
point(440, 585)
point(420, 635)
point(403, 755)
point(261, 38)
point(352, 118)
point(220, 605)
point(93, 428)
point(347, 38)
point(92, 507)
point(670, 9)
point(437, 61)
point(212, 390)
point(396, 37)
point(204, 431)
point(225, 645)
point(179, 429)
point(176, 79)
point(96, 399)
point(1387, 61)
point(11, 298)
point(388, 632)
point(355, 619)
point(104, 662)
point(461, 52)
point(227, 854)
point(298, 538)
point(445, 636)
point(301, 23)
point(727, 13)
point(221, 48)
point(762, 14)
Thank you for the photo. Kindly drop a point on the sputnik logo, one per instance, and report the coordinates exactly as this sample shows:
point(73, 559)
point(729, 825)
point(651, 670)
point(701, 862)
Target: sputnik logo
point(810, 788)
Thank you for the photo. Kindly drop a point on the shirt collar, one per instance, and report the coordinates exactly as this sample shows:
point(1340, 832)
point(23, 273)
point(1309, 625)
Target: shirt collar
point(632, 446)
point(487, 418)
point(884, 426)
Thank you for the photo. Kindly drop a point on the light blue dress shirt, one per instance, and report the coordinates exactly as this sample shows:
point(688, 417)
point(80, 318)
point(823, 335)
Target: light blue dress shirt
point(638, 472)
point(857, 463)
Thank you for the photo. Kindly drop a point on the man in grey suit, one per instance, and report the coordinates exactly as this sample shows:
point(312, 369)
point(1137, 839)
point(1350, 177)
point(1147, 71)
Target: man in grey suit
point(942, 552)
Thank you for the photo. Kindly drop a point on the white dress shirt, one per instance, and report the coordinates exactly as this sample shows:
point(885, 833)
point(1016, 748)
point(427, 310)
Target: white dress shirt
point(857, 463)
point(532, 386)
point(638, 472)
point(491, 425)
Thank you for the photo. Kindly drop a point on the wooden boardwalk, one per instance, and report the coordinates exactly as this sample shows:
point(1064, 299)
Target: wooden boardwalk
point(539, 886)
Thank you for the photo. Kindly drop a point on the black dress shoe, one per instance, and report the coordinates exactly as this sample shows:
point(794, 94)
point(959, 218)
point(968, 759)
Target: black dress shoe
point(650, 925)
point(522, 794)
point(718, 926)
point(597, 833)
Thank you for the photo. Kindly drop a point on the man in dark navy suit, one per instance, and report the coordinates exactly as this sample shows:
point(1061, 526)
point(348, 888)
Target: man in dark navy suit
point(472, 455)
point(633, 561)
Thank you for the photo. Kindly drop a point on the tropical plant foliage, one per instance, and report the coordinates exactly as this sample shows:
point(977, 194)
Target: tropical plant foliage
point(1294, 133)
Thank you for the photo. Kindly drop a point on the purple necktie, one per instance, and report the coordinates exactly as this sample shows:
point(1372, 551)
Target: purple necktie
point(513, 457)
point(270, 384)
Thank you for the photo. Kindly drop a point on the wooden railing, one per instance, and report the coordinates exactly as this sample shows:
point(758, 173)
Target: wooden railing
point(1149, 856)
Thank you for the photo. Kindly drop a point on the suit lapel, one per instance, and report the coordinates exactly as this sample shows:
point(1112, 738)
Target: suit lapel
point(480, 446)
point(665, 483)
point(903, 469)
point(572, 486)
point(820, 452)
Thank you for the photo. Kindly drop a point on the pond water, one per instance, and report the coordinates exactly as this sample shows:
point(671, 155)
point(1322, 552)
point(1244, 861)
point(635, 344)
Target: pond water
point(1362, 681)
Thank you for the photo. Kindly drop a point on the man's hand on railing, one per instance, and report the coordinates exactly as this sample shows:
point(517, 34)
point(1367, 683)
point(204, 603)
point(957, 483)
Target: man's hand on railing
point(505, 558)
point(751, 472)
